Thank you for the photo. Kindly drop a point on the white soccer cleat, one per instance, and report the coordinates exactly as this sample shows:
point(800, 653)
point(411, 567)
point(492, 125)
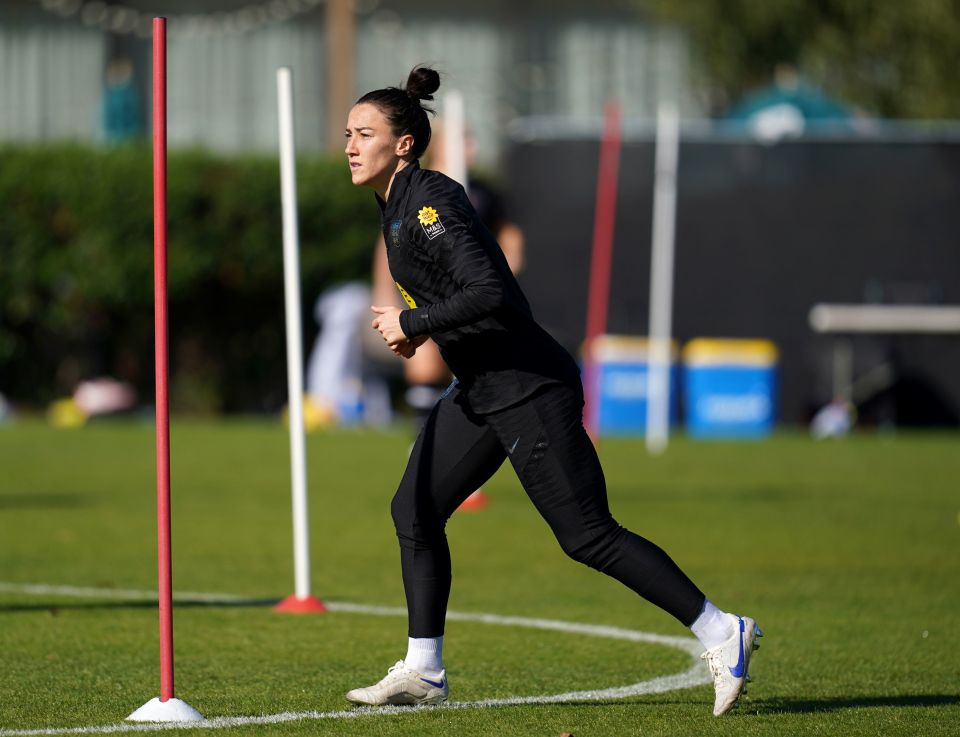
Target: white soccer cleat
point(403, 685)
point(729, 663)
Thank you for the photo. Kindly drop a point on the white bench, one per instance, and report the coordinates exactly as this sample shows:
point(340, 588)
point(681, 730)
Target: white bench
point(844, 320)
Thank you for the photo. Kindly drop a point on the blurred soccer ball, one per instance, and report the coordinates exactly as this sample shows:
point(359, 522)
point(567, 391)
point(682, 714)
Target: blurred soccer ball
point(316, 415)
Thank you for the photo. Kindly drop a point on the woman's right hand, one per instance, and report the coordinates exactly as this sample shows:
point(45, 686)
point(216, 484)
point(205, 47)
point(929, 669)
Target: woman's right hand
point(408, 348)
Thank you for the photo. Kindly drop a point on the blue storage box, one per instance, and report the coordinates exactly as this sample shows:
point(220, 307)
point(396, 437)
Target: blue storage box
point(729, 388)
point(621, 366)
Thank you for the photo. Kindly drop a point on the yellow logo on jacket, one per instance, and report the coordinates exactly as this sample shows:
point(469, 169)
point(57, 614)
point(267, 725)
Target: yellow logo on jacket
point(430, 222)
point(427, 216)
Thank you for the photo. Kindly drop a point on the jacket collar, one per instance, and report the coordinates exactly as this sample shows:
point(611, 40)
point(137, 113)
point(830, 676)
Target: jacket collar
point(399, 187)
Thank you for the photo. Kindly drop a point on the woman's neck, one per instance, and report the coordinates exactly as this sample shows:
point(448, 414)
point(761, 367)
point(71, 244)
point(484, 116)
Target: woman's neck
point(385, 193)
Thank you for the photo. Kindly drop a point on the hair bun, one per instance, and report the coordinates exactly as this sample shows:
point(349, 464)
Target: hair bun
point(422, 83)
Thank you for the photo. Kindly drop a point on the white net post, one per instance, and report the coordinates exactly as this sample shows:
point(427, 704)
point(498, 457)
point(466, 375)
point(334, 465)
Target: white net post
point(661, 277)
point(454, 137)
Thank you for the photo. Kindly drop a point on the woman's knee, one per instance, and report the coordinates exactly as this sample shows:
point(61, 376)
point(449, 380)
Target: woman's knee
point(598, 550)
point(402, 509)
point(413, 522)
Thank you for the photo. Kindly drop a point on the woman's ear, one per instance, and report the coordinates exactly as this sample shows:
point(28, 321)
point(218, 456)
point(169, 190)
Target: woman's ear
point(404, 145)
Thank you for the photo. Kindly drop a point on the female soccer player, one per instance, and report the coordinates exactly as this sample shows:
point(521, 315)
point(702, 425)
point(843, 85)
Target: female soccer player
point(517, 395)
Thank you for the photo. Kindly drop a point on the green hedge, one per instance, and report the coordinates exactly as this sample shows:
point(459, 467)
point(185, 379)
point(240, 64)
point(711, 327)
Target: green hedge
point(76, 269)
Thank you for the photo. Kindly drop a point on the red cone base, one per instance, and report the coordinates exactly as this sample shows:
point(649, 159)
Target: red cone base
point(300, 605)
point(475, 502)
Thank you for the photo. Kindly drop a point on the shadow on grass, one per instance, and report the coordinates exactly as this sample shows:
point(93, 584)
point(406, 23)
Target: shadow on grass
point(810, 706)
point(55, 609)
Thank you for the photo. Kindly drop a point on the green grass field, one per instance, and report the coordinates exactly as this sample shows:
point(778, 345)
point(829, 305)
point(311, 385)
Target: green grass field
point(847, 553)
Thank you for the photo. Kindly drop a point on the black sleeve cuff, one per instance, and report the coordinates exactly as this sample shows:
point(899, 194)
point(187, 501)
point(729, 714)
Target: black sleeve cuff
point(408, 323)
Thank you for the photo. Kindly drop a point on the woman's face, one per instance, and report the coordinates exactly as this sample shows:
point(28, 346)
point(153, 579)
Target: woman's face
point(373, 152)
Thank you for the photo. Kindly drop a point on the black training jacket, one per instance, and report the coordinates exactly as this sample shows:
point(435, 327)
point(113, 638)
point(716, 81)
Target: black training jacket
point(456, 282)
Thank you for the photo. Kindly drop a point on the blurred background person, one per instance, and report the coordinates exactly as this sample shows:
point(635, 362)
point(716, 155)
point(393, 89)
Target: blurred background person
point(343, 384)
point(425, 373)
point(121, 103)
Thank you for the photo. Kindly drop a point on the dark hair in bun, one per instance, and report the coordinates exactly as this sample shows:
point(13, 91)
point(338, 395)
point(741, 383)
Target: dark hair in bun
point(422, 83)
point(402, 108)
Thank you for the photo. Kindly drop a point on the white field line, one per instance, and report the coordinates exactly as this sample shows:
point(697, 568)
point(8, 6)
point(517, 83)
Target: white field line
point(695, 675)
point(85, 592)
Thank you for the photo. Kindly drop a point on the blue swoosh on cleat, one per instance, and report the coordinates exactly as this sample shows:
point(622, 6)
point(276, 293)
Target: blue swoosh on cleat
point(439, 684)
point(738, 670)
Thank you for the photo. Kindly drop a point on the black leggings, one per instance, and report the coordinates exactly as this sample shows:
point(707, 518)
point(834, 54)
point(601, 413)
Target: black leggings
point(458, 450)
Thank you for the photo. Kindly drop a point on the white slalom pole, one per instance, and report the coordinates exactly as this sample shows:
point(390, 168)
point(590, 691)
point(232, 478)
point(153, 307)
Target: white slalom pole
point(661, 277)
point(454, 137)
point(301, 600)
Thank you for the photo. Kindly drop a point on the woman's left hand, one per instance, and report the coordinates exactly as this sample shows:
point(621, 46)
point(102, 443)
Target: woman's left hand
point(387, 322)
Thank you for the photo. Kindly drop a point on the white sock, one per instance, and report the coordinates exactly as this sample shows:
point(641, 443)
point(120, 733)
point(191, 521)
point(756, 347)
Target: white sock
point(713, 627)
point(425, 655)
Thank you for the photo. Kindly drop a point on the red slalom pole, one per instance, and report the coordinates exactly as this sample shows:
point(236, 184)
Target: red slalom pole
point(598, 294)
point(167, 708)
point(165, 585)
